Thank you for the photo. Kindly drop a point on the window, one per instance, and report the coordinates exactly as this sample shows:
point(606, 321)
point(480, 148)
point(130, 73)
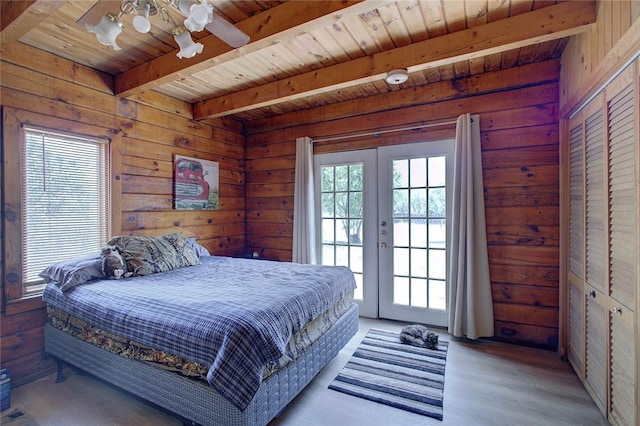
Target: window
point(64, 199)
point(39, 162)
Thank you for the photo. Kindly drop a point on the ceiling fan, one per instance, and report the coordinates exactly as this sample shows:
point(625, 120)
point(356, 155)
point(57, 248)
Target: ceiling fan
point(199, 16)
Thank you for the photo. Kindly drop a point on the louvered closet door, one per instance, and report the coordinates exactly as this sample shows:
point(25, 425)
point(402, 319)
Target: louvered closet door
point(623, 246)
point(576, 339)
point(596, 329)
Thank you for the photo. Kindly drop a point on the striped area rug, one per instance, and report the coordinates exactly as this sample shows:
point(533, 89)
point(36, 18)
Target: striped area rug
point(389, 372)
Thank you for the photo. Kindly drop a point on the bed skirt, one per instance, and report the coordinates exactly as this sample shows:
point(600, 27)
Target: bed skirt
point(196, 400)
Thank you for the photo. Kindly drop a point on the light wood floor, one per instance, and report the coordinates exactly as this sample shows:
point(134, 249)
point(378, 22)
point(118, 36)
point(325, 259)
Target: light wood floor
point(486, 383)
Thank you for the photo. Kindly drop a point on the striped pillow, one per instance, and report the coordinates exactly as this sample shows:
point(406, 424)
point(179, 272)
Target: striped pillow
point(149, 255)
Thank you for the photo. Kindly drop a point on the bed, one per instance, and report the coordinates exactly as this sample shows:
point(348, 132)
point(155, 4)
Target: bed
point(215, 340)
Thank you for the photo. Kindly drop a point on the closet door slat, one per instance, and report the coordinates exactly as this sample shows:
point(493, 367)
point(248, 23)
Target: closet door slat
point(595, 200)
point(622, 197)
point(576, 202)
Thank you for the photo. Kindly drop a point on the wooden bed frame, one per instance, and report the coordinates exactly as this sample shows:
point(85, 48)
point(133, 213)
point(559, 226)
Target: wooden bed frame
point(194, 399)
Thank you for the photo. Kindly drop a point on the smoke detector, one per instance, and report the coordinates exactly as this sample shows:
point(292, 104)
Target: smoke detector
point(398, 76)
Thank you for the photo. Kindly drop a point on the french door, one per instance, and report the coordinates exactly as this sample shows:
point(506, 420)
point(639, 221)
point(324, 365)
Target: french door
point(346, 216)
point(413, 207)
point(383, 213)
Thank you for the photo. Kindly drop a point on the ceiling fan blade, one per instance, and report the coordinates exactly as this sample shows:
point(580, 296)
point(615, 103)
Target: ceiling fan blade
point(226, 31)
point(97, 11)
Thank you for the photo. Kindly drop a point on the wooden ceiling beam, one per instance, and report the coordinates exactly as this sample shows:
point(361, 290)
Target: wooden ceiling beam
point(493, 81)
point(549, 23)
point(18, 17)
point(275, 25)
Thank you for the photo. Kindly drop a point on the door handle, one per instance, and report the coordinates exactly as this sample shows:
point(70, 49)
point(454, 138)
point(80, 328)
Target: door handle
point(383, 245)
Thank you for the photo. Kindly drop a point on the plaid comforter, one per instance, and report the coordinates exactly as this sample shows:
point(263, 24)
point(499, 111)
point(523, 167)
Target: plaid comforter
point(235, 315)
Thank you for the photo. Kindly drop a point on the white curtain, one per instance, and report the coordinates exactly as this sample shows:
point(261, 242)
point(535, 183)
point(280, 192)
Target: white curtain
point(470, 302)
point(304, 235)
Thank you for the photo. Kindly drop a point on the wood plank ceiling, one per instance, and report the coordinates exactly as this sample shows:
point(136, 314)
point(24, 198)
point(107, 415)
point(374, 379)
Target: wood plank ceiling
point(304, 54)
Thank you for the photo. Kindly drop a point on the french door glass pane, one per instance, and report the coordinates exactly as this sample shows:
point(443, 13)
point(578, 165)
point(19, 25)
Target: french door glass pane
point(437, 259)
point(342, 215)
point(418, 202)
point(401, 237)
point(436, 175)
point(355, 260)
point(327, 204)
point(418, 236)
point(416, 172)
point(419, 293)
point(419, 232)
point(401, 261)
point(437, 206)
point(437, 233)
point(328, 231)
point(342, 255)
point(437, 294)
point(401, 290)
point(355, 178)
point(418, 263)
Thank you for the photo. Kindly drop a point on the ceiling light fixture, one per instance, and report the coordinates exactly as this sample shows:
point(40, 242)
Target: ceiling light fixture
point(199, 15)
point(398, 76)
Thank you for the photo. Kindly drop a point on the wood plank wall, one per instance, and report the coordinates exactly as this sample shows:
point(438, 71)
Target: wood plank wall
point(518, 111)
point(148, 131)
point(589, 59)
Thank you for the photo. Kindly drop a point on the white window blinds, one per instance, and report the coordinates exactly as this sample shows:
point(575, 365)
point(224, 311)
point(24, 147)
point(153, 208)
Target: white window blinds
point(65, 199)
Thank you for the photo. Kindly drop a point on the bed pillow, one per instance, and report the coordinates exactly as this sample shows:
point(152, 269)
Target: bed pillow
point(149, 255)
point(198, 248)
point(70, 273)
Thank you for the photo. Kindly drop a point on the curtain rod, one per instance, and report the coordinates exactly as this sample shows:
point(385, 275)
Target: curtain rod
point(335, 138)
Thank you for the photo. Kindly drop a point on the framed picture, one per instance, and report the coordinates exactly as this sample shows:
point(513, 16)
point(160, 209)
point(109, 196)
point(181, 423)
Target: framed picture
point(195, 183)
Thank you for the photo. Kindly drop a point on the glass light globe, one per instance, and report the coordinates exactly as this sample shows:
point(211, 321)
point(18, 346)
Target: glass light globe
point(141, 24)
point(107, 30)
point(185, 6)
point(188, 48)
point(199, 16)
